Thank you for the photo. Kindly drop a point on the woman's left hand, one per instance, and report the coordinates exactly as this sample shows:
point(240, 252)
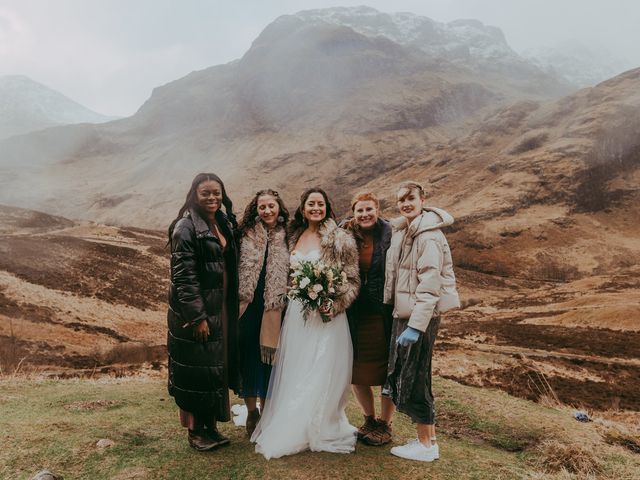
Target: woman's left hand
point(201, 332)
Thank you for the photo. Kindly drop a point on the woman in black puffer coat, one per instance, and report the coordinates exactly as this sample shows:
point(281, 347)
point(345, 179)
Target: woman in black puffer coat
point(203, 311)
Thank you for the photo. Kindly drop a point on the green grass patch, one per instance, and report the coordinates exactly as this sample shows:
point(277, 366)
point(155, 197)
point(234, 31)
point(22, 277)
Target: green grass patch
point(56, 424)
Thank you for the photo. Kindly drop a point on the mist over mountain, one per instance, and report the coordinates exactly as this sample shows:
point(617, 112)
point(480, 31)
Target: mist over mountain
point(348, 99)
point(465, 42)
point(26, 106)
point(576, 63)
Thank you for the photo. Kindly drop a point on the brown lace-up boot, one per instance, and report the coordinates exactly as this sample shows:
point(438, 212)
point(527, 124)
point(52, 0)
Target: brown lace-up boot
point(367, 427)
point(381, 435)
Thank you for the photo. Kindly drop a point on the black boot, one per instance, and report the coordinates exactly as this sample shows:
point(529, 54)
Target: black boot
point(201, 441)
point(215, 436)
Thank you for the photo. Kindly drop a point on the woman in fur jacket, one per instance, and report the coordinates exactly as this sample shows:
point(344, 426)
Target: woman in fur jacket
point(263, 274)
point(309, 385)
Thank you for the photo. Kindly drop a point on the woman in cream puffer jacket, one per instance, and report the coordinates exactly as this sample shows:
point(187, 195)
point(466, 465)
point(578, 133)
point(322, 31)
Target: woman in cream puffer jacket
point(420, 284)
point(419, 269)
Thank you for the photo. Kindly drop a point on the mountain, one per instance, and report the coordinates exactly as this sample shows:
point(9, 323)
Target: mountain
point(306, 93)
point(546, 190)
point(315, 101)
point(465, 42)
point(543, 183)
point(576, 63)
point(26, 106)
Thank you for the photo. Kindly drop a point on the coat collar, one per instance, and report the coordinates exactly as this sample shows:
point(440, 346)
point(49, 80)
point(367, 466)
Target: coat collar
point(260, 231)
point(327, 227)
point(200, 224)
point(431, 218)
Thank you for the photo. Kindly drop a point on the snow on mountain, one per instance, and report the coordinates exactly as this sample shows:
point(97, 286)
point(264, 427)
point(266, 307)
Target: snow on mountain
point(457, 41)
point(26, 106)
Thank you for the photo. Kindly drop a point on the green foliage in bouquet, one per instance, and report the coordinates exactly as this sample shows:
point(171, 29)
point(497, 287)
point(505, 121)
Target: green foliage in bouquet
point(316, 285)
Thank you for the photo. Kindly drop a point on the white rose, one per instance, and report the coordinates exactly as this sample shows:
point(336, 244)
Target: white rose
point(312, 295)
point(332, 290)
point(304, 282)
point(317, 288)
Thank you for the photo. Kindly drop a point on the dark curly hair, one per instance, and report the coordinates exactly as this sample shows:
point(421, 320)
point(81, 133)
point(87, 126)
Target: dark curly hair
point(191, 201)
point(299, 221)
point(249, 218)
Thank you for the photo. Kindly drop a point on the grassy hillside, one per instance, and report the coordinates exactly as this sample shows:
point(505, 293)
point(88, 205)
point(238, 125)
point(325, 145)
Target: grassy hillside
point(484, 434)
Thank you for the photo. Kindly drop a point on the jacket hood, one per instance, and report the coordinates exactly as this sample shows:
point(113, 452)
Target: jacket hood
point(431, 218)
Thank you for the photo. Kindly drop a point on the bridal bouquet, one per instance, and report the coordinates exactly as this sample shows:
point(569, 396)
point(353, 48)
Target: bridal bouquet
point(315, 285)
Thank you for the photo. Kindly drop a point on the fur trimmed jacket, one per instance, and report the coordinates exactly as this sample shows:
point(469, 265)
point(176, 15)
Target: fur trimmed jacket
point(338, 247)
point(253, 246)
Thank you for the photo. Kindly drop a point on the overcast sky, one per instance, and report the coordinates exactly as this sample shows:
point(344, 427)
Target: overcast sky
point(109, 54)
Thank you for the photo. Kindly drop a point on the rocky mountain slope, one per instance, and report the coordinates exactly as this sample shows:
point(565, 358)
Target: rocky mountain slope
point(465, 42)
point(27, 106)
point(307, 93)
point(353, 99)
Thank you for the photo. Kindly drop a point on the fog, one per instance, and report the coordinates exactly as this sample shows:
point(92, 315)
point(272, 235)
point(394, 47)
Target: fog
point(109, 54)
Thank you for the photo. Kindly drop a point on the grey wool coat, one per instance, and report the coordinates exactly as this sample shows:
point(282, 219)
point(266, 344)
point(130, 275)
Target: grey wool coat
point(338, 247)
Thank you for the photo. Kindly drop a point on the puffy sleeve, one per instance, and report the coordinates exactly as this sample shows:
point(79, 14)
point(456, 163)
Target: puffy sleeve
point(184, 275)
point(429, 266)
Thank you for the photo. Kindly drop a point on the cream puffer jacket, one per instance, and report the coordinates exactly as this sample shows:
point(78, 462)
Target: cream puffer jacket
point(419, 278)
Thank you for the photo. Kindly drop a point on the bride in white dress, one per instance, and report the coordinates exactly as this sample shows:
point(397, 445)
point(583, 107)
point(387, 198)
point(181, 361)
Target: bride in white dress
point(309, 385)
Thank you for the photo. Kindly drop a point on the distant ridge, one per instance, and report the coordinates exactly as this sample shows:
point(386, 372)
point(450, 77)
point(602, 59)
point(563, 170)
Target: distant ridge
point(27, 106)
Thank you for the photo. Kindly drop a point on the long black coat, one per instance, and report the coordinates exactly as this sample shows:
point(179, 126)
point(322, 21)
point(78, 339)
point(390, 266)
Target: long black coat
point(372, 283)
point(197, 376)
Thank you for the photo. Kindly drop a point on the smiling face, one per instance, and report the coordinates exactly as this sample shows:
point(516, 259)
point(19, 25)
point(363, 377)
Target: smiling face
point(209, 196)
point(268, 209)
point(315, 208)
point(410, 202)
point(366, 214)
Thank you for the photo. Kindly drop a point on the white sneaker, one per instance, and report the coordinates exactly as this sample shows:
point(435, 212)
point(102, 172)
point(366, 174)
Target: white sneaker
point(414, 450)
point(436, 449)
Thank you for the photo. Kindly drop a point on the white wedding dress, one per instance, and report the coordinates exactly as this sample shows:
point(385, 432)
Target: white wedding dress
point(309, 385)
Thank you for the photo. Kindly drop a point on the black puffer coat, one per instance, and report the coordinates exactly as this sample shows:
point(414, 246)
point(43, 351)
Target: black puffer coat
point(372, 282)
point(198, 375)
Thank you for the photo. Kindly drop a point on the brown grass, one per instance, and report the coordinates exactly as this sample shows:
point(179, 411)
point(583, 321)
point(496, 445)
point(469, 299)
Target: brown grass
point(627, 440)
point(10, 361)
point(131, 353)
point(554, 456)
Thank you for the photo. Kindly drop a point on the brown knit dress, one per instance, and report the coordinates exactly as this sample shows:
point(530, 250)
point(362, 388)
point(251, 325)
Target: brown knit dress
point(371, 350)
